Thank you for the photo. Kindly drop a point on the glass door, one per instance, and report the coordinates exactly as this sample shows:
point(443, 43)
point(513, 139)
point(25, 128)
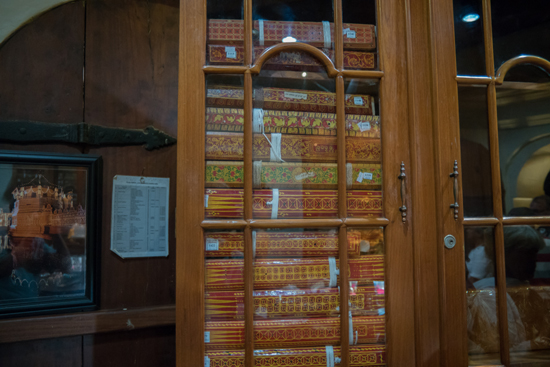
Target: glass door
point(494, 169)
point(294, 233)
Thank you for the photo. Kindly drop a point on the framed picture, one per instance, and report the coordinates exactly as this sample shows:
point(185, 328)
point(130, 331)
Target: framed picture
point(49, 232)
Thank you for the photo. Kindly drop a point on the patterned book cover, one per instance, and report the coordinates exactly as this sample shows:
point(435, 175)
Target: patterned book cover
point(224, 335)
point(359, 356)
point(309, 243)
point(292, 60)
point(303, 148)
point(228, 203)
point(295, 303)
point(289, 100)
point(229, 31)
point(293, 175)
point(293, 122)
point(227, 274)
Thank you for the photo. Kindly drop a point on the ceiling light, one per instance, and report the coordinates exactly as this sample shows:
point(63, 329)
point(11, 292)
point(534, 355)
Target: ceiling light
point(470, 18)
point(289, 39)
point(304, 74)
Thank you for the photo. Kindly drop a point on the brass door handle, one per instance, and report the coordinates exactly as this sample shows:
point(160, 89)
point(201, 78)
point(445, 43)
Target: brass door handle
point(454, 174)
point(403, 208)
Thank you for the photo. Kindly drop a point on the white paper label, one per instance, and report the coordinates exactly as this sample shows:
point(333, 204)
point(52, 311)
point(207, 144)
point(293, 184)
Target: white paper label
point(230, 52)
point(206, 361)
point(303, 176)
point(381, 311)
point(364, 126)
point(207, 336)
point(295, 95)
point(212, 244)
point(358, 101)
point(364, 176)
point(350, 34)
point(206, 201)
point(346, 30)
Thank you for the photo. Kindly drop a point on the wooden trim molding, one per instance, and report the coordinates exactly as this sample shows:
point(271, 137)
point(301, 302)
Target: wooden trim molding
point(54, 326)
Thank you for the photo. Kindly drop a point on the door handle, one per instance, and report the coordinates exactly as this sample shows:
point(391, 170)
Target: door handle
point(454, 175)
point(403, 208)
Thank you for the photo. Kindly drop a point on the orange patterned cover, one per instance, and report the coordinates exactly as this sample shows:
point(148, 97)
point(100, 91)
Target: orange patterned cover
point(292, 60)
point(293, 122)
point(293, 332)
point(230, 31)
point(227, 274)
point(229, 146)
point(359, 356)
point(282, 244)
point(228, 203)
point(289, 100)
point(277, 304)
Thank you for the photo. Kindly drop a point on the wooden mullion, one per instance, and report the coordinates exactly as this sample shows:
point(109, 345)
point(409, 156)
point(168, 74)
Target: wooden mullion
point(499, 234)
point(344, 295)
point(379, 35)
point(248, 27)
point(488, 38)
point(479, 222)
point(367, 74)
point(295, 223)
point(248, 213)
point(341, 143)
point(338, 35)
point(473, 80)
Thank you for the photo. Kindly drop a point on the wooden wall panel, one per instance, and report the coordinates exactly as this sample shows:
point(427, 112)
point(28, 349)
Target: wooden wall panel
point(131, 81)
point(60, 352)
point(147, 347)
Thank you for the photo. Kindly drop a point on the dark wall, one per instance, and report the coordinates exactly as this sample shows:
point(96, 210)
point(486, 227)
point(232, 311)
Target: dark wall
point(112, 63)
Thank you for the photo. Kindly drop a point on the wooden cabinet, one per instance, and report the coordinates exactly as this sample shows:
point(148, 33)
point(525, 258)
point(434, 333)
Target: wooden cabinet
point(254, 76)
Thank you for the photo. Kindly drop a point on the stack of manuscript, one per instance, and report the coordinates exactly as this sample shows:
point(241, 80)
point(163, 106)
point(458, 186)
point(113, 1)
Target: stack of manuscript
point(277, 204)
point(293, 175)
point(290, 99)
point(291, 60)
point(303, 148)
point(294, 332)
point(231, 32)
point(281, 244)
point(359, 356)
point(227, 274)
point(293, 122)
point(365, 300)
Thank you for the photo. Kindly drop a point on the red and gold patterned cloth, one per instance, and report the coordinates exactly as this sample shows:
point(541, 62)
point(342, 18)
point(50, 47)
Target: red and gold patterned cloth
point(359, 356)
point(291, 60)
point(282, 244)
point(294, 332)
point(229, 146)
point(228, 203)
point(277, 304)
point(293, 175)
point(293, 122)
point(289, 100)
point(227, 274)
point(230, 32)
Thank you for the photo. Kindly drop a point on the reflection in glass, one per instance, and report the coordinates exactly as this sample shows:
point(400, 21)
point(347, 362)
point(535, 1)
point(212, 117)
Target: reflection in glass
point(469, 41)
point(481, 296)
point(520, 28)
point(528, 316)
point(523, 125)
point(474, 148)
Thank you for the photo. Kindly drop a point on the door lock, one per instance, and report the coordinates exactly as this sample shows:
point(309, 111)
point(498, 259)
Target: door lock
point(450, 241)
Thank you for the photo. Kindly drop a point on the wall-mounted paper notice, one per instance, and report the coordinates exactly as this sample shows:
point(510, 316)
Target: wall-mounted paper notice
point(139, 218)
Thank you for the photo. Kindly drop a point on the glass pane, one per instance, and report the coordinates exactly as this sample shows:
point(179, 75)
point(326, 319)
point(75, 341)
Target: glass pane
point(481, 296)
point(475, 155)
point(293, 21)
point(363, 149)
point(528, 316)
point(295, 171)
point(359, 18)
point(469, 41)
point(225, 33)
point(224, 173)
point(523, 125)
point(520, 28)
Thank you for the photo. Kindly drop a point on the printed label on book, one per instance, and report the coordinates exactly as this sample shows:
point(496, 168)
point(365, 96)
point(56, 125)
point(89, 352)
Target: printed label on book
point(303, 176)
point(295, 95)
point(212, 244)
point(206, 361)
point(207, 336)
point(364, 126)
point(364, 176)
point(206, 201)
point(350, 34)
point(358, 101)
point(230, 52)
